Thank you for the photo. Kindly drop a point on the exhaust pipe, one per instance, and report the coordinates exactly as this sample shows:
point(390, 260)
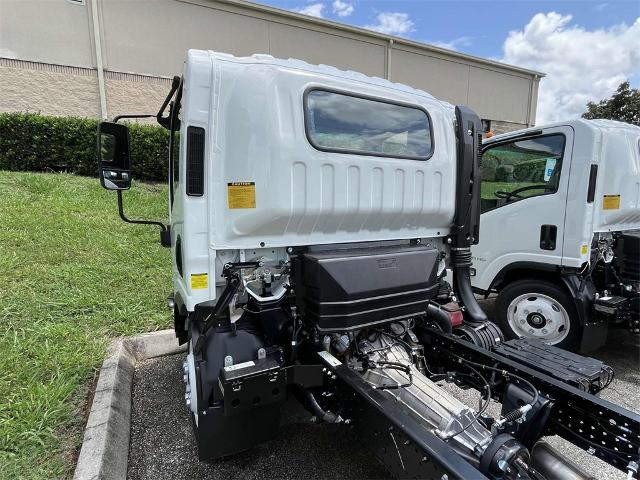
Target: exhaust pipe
point(550, 463)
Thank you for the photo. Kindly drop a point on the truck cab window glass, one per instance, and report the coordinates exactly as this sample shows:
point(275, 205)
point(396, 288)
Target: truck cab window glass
point(344, 123)
point(521, 169)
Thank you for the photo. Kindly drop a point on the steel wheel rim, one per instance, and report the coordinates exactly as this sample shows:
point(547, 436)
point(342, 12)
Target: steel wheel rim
point(539, 316)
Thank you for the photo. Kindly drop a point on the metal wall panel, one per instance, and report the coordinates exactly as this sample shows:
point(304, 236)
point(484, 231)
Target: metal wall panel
point(316, 47)
point(158, 45)
point(499, 96)
point(443, 79)
point(45, 31)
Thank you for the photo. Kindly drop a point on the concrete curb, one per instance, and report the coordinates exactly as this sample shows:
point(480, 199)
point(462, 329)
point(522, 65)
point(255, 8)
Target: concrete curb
point(105, 448)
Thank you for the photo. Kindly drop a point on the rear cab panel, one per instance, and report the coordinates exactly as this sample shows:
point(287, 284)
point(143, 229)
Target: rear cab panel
point(617, 206)
point(267, 187)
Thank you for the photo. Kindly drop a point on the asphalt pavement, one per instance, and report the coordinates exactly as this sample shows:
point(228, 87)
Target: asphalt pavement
point(163, 446)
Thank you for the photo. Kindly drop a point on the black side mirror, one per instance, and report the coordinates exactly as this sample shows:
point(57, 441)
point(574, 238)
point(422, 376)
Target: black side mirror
point(113, 156)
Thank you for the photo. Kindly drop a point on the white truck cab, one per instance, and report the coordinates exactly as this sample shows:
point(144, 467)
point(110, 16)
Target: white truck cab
point(560, 221)
point(314, 217)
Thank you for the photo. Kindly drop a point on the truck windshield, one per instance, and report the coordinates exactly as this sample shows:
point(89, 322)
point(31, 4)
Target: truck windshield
point(345, 123)
point(521, 169)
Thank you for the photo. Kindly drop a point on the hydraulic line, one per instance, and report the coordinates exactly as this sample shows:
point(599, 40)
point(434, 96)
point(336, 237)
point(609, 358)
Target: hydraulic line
point(322, 414)
point(519, 412)
point(534, 390)
point(481, 411)
point(406, 369)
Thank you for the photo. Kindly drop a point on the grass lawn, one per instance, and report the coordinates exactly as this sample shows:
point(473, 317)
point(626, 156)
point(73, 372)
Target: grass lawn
point(72, 277)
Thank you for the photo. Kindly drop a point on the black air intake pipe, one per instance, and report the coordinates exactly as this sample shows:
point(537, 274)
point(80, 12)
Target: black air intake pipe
point(461, 266)
point(467, 217)
point(440, 317)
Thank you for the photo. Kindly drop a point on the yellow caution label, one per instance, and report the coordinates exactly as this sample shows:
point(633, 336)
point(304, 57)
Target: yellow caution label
point(611, 202)
point(241, 195)
point(584, 249)
point(199, 281)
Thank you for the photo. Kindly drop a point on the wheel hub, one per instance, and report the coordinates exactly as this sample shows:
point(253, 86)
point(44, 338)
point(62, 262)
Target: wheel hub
point(536, 320)
point(535, 315)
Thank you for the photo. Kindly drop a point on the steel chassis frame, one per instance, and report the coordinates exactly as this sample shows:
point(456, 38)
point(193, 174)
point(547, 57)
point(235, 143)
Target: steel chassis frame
point(408, 450)
point(606, 430)
point(400, 442)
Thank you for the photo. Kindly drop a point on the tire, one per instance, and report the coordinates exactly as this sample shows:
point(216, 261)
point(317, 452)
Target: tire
point(541, 310)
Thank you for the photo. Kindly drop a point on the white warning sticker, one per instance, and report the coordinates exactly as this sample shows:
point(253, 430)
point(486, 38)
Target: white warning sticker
point(239, 366)
point(330, 359)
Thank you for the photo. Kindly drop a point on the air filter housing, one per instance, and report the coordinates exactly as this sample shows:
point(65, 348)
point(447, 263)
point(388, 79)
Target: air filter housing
point(346, 289)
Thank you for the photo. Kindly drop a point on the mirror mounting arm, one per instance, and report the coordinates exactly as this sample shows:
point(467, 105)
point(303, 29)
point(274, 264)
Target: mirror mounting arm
point(167, 121)
point(117, 118)
point(165, 232)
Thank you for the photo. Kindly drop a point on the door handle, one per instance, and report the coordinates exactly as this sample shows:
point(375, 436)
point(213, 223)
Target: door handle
point(548, 235)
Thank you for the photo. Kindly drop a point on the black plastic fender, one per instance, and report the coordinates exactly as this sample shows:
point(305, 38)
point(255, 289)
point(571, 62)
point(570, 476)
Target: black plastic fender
point(583, 292)
point(179, 319)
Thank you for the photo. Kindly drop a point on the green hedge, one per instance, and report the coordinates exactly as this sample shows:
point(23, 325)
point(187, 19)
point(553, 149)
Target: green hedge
point(35, 142)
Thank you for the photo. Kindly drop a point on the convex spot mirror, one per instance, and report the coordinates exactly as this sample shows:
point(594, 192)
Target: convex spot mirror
point(113, 156)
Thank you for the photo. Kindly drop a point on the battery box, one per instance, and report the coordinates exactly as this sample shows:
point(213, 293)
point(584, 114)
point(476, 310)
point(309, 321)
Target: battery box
point(252, 384)
point(584, 373)
point(610, 306)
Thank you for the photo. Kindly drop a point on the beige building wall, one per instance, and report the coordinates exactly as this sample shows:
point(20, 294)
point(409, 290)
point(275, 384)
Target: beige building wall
point(317, 47)
point(441, 77)
point(48, 31)
point(498, 127)
point(61, 90)
point(48, 89)
point(499, 97)
point(128, 93)
point(140, 47)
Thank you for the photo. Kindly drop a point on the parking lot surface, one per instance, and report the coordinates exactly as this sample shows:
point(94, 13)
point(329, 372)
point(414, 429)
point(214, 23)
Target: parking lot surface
point(163, 447)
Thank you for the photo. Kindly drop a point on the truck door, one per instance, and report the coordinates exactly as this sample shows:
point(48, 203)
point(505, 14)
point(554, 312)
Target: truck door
point(524, 196)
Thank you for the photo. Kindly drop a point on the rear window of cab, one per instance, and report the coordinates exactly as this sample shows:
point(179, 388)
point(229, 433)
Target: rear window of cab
point(347, 123)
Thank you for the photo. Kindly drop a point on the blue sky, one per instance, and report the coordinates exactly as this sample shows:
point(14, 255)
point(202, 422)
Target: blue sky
point(482, 25)
point(586, 47)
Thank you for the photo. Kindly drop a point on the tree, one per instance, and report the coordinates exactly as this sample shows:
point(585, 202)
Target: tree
point(624, 105)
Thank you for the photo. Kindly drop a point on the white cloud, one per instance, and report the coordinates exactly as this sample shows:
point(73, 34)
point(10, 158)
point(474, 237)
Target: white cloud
point(342, 9)
point(392, 23)
point(313, 9)
point(454, 44)
point(600, 7)
point(581, 65)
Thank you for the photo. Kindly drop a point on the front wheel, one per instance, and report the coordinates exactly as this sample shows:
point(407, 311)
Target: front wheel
point(538, 309)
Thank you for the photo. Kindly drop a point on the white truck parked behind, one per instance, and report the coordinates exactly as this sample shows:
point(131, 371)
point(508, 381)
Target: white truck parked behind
point(561, 231)
point(313, 216)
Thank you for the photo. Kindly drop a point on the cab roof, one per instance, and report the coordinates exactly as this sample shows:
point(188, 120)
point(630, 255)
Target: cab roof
point(597, 124)
point(320, 69)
